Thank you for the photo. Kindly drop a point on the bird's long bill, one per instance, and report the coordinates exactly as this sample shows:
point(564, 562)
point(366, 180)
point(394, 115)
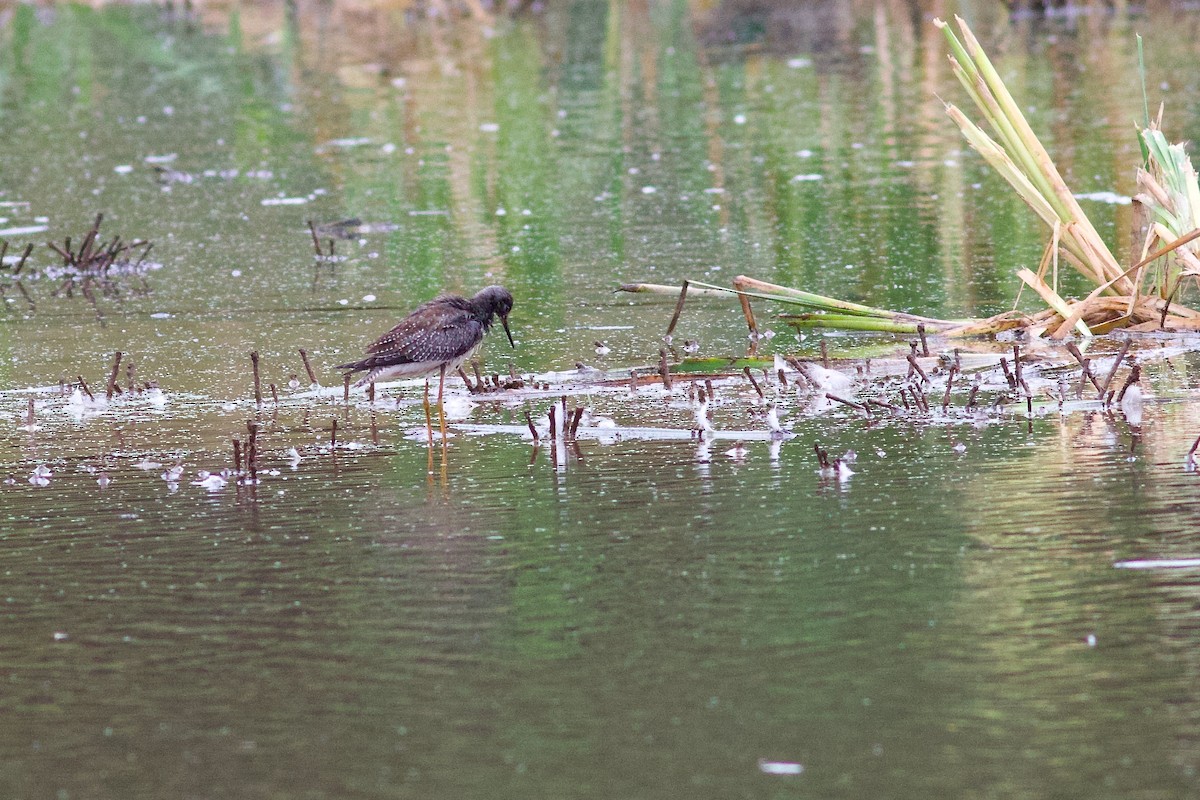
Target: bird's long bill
point(504, 322)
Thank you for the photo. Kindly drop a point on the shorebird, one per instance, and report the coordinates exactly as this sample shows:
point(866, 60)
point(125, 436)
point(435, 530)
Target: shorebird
point(439, 336)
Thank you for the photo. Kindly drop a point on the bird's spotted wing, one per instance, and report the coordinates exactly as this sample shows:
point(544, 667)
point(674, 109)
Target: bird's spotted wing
point(415, 340)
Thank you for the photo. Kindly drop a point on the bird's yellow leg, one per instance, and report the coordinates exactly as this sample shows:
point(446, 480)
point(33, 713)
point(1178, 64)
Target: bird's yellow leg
point(441, 407)
point(428, 416)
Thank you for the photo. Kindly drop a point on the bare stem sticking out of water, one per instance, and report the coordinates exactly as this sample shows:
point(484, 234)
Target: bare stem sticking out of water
point(83, 385)
point(346, 389)
point(1017, 366)
point(664, 369)
point(1112, 372)
point(916, 365)
point(708, 385)
point(257, 379)
point(237, 456)
point(678, 309)
point(924, 341)
point(275, 394)
point(130, 375)
point(312, 376)
point(578, 415)
point(553, 432)
point(31, 419)
point(333, 434)
point(532, 429)
point(949, 386)
point(112, 376)
point(316, 242)
point(1083, 362)
point(1134, 376)
point(824, 354)
point(750, 375)
point(845, 402)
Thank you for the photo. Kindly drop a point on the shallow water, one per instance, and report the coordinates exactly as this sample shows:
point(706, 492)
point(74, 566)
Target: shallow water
point(642, 617)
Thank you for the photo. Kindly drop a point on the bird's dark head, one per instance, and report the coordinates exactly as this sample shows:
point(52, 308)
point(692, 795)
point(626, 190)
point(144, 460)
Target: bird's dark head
point(498, 301)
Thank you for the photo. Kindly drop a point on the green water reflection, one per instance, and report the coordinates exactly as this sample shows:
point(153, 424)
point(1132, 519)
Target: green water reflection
point(645, 620)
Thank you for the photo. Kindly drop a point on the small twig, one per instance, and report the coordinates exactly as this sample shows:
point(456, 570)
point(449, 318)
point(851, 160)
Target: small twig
point(316, 242)
point(1134, 376)
point(346, 388)
point(917, 366)
point(663, 369)
point(21, 263)
point(1017, 364)
point(924, 341)
point(748, 313)
point(1083, 362)
point(312, 376)
point(575, 420)
point(1008, 376)
point(882, 404)
point(678, 308)
point(237, 456)
point(112, 376)
point(1113, 371)
point(257, 380)
point(551, 414)
point(754, 383)
point(844, 401)
point(949, 386)
point(83, 385)
point(532, 430)
point(333, 434)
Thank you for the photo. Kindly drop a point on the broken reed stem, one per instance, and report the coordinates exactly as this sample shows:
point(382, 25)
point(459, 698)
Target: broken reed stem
point(1112, 372)
point(1191, 454)
point(274, 394)
point(130, 373)
point(575, 420)
point(917, 367)
point(748, 313)
point(1134, 375)
point(316, 242)
point(824, 354)
point(112, 376)
point(949, 386)
point(532, 429)
point(30, 418)
point(663, 369)
point(257, 380)
point(83, 385)
point(708, 386)
point(972, 395)
point(1085, 363)
point(1008, 376)
point(333, 434)
point(346, 389)
point(746, 371)
point(237, 456)
point(553, 432)
point(924, 342)
point(678, 309)
point(882, 404)
point(845, 402)
point(21, 263)
point(1017, 364)
point(312, 376)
